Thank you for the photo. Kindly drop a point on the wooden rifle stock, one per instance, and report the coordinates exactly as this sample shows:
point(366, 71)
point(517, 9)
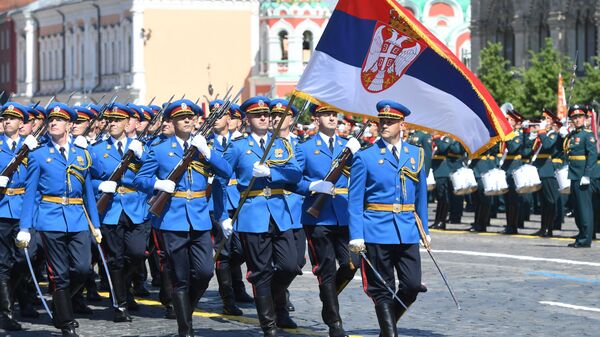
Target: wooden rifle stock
point(106, 198)
point(336, 170)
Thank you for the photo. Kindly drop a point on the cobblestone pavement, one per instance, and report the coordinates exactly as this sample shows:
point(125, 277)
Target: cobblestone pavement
point(515, 285)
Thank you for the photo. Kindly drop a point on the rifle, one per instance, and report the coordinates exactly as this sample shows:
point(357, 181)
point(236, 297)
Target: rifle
point(333, 175)
point(90, 126)
point(23, 152)
point(156, 118)
point(70, 96)
point(117, 174)
point(161, 199)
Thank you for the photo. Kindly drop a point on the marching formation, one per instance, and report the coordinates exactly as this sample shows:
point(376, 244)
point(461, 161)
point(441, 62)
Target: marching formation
point(123, 185)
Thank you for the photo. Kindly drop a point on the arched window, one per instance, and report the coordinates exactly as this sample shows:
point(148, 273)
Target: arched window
point(307, 46)
point(283, 42)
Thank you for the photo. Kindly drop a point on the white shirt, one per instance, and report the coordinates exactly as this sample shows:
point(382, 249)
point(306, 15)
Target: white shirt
point(116, 141)
point(219, 138)
point(10, 141)
point(389, 146)
point(66, 147)
point(257, 138)
point(326, 138)
point(181, 142)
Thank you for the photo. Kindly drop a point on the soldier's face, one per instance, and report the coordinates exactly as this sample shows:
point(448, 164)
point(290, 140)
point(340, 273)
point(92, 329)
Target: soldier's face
point(234, 124)
point(59, 127)
point(184, 123)
point(390, 128)
point(327, 121)
point(578, 120)
point(259, 121)
point(221, 124)
point(25, 129)
point(116, 126)
point(132, 125)
point(11, 124)
point(167, 128)
point(79, 127)
point(275, 118)
point(511, 121)
point(141, 126)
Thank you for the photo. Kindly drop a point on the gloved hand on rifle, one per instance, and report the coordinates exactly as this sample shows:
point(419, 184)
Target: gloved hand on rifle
point(357, 246)
point(200, 143)
point(23, 238)
point(137, 148)
point(81, 142)
point(321, 186)
point(31, 142)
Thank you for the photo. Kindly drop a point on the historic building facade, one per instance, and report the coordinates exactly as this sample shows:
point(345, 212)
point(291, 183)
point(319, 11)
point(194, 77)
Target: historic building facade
point(140, 49)
point(524, 25)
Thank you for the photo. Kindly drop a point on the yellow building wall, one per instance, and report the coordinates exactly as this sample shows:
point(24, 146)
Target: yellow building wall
point(182, 45)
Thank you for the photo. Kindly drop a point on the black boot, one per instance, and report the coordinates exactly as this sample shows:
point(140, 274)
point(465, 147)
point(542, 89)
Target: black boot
point(26, 308)
point(226, 292)
point(331, 310)
point(284, 320)
point(183, 310)
point(239, 289)
point(63, 313)
point(92, 289)
point(165, 295)
point(387, 320)
point(7, 322)
point(196, 291)
point(266, 315)
point(132, 305)
point(121, 314)
point(343, 276)
point(288, 304)
point(79, 304)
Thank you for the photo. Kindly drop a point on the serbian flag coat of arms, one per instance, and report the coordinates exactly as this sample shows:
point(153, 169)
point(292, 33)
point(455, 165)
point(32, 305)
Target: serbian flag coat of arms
point(374, 50)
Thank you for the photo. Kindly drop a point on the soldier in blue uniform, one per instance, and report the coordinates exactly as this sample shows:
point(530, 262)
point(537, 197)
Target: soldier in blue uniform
point(11, 203)
point(265, 221)
point(581, 153)
point(328, 234)
point(387, 197)
point(122, 224)
point(278, 107)
point(231, 256)
point(184, 228)
point(60, 172)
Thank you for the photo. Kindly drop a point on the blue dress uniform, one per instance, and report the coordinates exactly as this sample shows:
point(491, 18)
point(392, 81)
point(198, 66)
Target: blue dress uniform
point(265, 221)
point(387, 196)
point(512, 161)
point(11, 202)
point(328, 234)
point(184, 228)
point(231, 256)
point(581, 153)
point(66, 210)
point(123, 229)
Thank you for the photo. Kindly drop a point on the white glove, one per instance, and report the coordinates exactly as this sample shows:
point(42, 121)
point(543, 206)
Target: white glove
point(227, 227)
point(321, 186)
point(260, 171)
point(200, 143)
point(357, 246)
point(532, 135)
point(165, 185)
point(353, 145)
point(4, 181)
point(31, 142)
point(543, 124)
point(563, 131)
point(584, 181)
point(81, 142)
point(108, 186)
point(137, 148)
point(525, 124)
point(428, 238)
point(23, 238)
point(97, 235)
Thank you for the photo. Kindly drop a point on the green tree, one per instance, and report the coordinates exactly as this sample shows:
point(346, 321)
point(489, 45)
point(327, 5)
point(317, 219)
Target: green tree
point(497, 75)
point(540, 80)
point(587, 88)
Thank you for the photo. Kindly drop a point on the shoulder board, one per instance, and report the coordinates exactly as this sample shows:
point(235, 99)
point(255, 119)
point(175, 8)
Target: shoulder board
point(304, 140)
point(366, 147)
point(344, 138)
point(239, 137)
point(77, 146)
point(161, 140)
point(98, 143)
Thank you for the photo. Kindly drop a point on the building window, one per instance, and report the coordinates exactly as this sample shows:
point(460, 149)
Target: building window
point(283, 42)
point(465, 57)
point(307, 46)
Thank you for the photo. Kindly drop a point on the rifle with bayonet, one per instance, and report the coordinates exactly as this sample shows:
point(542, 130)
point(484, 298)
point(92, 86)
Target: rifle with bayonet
point(90, 126)
point(23, 152)
point(336, 170)
point(161, 199)
point(117, 174)
point(153, 121)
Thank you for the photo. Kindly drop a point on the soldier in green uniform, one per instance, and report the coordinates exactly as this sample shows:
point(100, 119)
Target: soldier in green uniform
point(422, 139)
point(456, 157)
point(443, 187)
point(483, 203)
point(512, 161)
point(581, 153)
point(547, 142)
point(591, 120)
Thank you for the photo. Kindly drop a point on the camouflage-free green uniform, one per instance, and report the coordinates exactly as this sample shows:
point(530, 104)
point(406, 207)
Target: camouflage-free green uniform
point(548, 195)
point(512, 161)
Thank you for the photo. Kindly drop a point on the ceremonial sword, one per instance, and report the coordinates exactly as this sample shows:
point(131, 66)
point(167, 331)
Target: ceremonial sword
point(364, 256)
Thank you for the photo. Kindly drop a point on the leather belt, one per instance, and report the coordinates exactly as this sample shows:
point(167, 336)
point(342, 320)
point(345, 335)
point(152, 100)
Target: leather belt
point(396, 208)
point(62, 200)
point(123, 190)
point(577, 158)
point(189, 194)
point(12, 191)
point(267, 192)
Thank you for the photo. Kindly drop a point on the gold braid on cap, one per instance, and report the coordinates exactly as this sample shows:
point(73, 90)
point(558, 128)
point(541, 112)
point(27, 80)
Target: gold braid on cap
point(288, 148)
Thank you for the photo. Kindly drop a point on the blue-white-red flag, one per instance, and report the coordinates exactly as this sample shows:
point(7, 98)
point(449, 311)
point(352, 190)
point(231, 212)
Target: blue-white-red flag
point(376, 49)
